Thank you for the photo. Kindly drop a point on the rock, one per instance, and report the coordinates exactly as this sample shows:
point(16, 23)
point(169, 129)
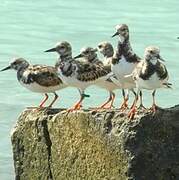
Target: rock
point(87, 145)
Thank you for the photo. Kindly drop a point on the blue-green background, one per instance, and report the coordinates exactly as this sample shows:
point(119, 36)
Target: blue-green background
point(28, 27)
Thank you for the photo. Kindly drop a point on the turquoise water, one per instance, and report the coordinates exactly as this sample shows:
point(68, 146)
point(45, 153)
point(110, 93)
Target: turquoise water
point(30, 27)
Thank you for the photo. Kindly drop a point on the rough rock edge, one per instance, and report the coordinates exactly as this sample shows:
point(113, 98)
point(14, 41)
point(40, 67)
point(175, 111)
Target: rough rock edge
point(107, 126)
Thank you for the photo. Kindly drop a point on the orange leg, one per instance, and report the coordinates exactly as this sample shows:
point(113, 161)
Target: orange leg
point(124, 105)
point(55, 98)
point(125, 102)
point(133, 110)
point(109, 103)
point(43, 102)
point(78, 105)
point(134, 99)
point(132, 113)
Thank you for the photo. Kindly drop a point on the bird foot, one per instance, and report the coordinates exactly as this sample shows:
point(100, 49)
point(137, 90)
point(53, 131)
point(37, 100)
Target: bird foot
point(106, 106)
point(132, 113)
point(153, 108)
point(123, 107)
point(75, 108)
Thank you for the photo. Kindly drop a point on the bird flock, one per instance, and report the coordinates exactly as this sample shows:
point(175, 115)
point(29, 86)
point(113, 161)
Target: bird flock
point(119, 69)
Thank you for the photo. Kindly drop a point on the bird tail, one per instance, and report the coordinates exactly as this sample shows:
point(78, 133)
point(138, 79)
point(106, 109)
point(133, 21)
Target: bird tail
point(167, 85)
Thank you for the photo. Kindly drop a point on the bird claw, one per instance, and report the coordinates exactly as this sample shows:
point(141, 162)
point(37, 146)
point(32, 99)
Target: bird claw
point(75, 108)
point(132, 113)
point(106, 106)
point(123, 107)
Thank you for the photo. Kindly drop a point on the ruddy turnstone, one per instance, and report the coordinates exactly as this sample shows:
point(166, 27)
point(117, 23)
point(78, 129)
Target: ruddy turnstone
point(150, 74)
point(124, 61)
point(106, 49)
point(89, 55)
point(76, 73)
point(37, 78)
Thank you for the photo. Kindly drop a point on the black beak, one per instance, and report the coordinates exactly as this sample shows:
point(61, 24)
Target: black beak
point(115, 34)
point(78, 56)
point(160, 58)
point(9, 67)
point(51, 50)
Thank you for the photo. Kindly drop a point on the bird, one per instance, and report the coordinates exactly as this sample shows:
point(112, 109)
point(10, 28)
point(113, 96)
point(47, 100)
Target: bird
point(106, 49)
point(37, 78)
point(77, 73)
point(124, 61)
point(89, 54)
point(150, 74)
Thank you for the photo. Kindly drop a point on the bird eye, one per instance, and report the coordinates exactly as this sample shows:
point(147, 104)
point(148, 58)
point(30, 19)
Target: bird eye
point(87, 52)
point(62, 47)
point(152, 52)
point(100, 46)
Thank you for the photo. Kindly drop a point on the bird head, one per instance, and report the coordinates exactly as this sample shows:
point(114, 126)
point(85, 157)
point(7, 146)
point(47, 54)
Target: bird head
point(122, 31)
point(17, 64)
point(106, 49)
point(88, 53)
point(152, 53)
point(63, 48)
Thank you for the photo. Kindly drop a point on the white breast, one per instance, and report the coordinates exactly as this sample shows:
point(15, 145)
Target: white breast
point(34, 87)
point(152, 83)
point(122, 69)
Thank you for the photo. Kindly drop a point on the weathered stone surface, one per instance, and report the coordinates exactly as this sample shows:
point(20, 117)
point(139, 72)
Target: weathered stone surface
point(86, 145)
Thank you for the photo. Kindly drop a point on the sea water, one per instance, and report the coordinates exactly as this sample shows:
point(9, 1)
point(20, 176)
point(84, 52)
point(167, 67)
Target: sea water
point(28, 27)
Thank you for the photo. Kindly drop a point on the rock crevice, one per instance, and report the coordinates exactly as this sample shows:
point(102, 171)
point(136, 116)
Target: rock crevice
point(48, 143)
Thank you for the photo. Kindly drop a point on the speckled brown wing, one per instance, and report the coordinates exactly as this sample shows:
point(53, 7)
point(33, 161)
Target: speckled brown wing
point(138, 70)
point(125, 49)
point(149, 69)
point(161, 71)
point(44, 75)
point(90, 72)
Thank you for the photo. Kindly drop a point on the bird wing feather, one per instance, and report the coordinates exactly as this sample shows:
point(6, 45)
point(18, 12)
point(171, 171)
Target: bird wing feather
point(44, 75)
